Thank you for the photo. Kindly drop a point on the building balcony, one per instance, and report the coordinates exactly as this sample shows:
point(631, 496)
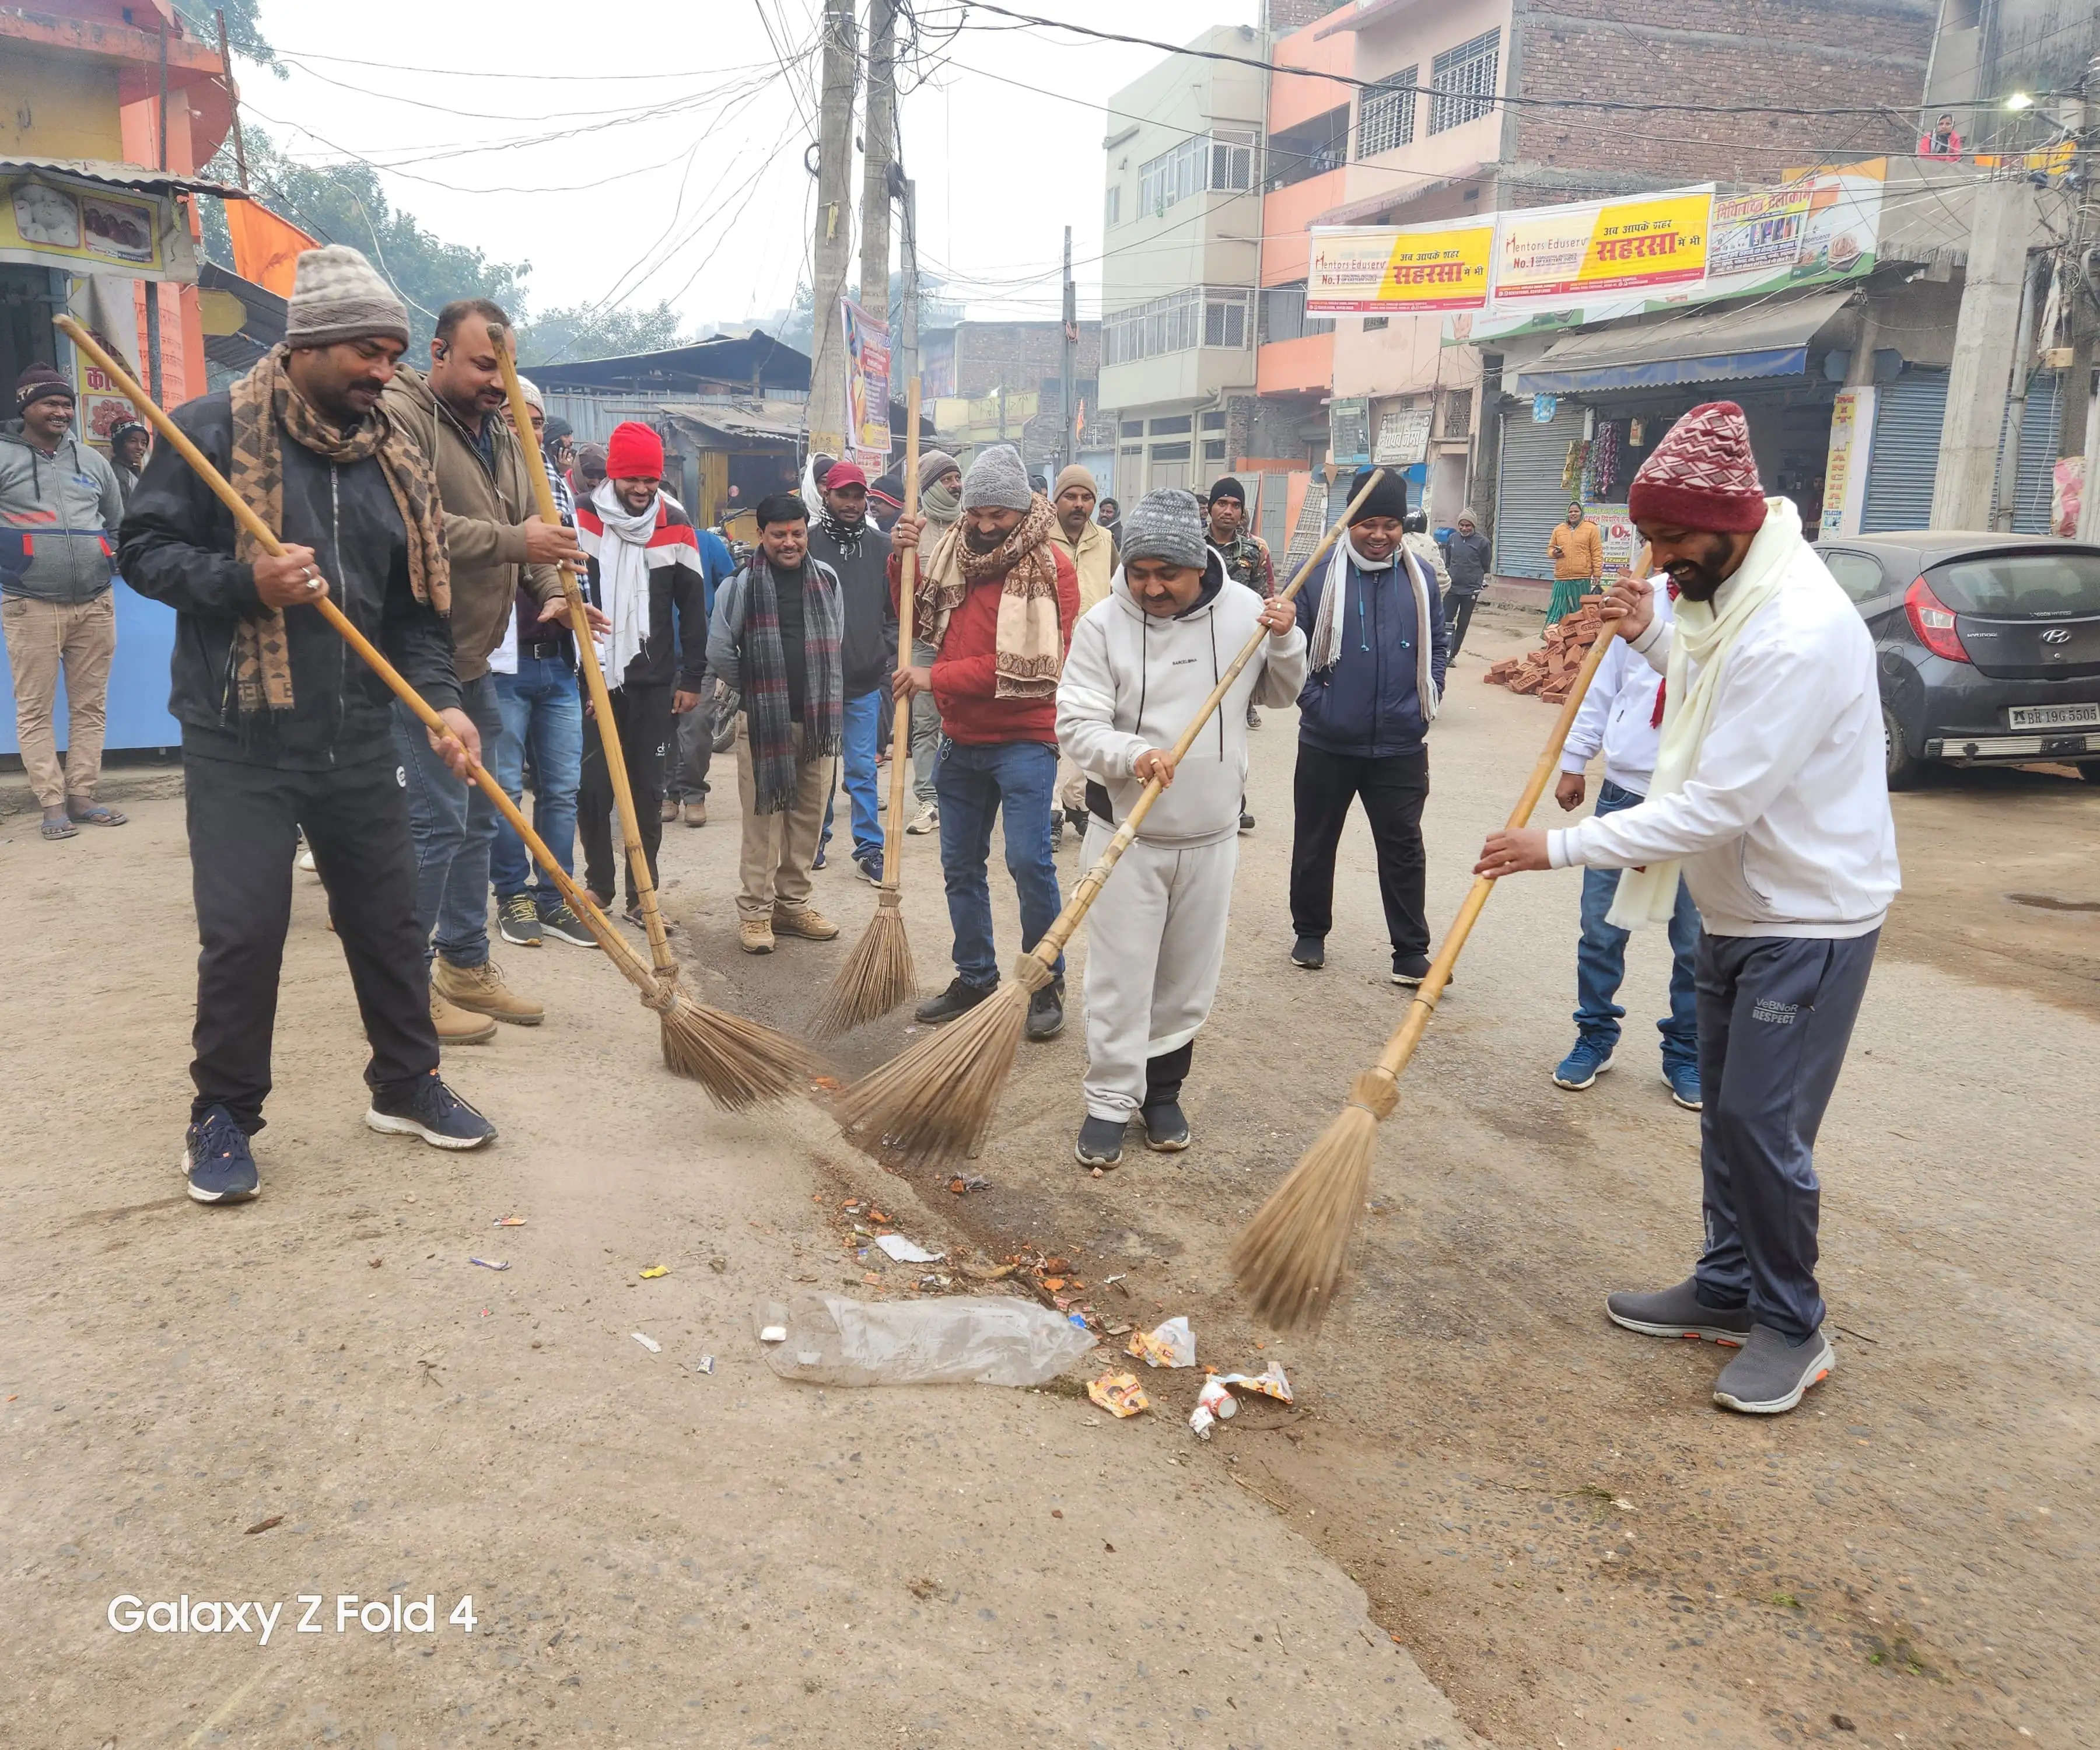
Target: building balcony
point(1288, 367)
point(1285, 215)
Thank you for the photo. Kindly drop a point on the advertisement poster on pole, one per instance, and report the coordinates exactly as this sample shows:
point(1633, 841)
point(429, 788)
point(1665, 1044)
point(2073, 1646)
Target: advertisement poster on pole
point(867, 385)
point(1377, 270)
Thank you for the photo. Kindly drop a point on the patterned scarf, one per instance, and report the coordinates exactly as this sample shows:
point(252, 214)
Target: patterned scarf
point(265, 405)
point(844, 535)
point(1029, 648)
point(770, 720)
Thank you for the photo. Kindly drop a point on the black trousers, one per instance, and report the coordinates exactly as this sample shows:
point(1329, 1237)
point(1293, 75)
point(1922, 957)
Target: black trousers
point(1394, 789)
point(1461, 616)
point(642, 718)
point(244, 824)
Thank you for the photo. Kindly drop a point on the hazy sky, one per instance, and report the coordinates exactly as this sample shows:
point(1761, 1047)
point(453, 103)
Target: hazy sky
point(677, 170)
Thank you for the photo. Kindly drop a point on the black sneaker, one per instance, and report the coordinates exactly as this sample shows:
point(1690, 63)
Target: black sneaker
point(1076, 818)
point(519, 920)
point(1309, 952)
point(1046, 1011)
point(1410, 969)
point(1166, 1127)
point(1100, 1144)
point(1246, 821)
point(869, 863)
point(432, 1111)
point(959, 998)
point(217, 1161)
point(562, 922)
point(1057, 830)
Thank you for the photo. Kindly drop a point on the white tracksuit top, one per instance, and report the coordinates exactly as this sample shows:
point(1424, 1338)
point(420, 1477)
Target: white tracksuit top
point(1618, 714)
point(1783, 826)
point(1133, 681)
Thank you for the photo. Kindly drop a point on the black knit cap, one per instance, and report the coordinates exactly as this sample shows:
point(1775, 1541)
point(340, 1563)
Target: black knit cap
point(1389, 499)
point(1226, 486)
point(41, 382)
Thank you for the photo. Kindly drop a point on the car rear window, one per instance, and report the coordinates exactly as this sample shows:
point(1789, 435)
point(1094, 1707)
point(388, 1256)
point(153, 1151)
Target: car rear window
point(2016, 585)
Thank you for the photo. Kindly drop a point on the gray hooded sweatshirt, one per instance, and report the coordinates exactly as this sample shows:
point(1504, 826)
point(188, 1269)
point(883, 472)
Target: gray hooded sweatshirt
point(59, 519)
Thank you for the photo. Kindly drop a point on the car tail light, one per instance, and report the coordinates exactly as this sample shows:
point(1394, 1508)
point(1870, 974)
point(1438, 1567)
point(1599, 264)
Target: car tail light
point(1932, 621)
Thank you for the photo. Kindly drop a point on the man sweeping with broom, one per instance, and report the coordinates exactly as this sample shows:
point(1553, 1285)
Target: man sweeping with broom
point(1769, 787)
point(280, 734)
point(1142, 664)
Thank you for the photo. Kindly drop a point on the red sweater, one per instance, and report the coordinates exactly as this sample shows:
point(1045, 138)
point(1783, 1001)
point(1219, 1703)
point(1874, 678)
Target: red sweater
point(963, 679)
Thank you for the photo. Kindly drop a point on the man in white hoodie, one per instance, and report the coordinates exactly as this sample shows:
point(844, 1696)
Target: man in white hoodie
point(1769, 785)
point(1622, 715)
point(1141, 663)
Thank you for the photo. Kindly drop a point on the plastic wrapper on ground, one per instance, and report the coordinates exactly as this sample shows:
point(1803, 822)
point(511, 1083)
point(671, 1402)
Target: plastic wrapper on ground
point(991, 1340)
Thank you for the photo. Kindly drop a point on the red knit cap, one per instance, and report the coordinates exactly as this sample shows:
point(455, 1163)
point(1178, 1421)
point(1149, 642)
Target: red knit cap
point(1702, 475)
point(633, 452)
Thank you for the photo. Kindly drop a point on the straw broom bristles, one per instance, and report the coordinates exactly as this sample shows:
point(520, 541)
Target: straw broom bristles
point(877, 975)
point(934, 1102)
point(741, 1064)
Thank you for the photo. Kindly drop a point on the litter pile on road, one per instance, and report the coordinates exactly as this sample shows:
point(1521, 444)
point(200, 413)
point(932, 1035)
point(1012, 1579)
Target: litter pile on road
point(1549, 671)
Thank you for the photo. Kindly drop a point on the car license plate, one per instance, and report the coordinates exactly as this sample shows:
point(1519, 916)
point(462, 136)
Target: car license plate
point(2053, 716)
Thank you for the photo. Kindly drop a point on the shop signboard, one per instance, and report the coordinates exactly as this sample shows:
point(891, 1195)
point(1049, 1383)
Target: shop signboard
point(867, 386)
point(1556, 254)
point(1620, 539)
point(1403, 438)
point(49, 219)
point(1845, 467)
point(1382, 270)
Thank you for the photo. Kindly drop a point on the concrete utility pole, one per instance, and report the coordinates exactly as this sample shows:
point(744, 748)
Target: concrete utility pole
point(1985, 334)
point(1068, 439)
point(878, 140)
point(833, 241)
point(2008, 490)
point(908, 339)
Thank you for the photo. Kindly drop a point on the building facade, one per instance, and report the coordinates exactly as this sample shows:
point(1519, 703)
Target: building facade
point(1002, 382)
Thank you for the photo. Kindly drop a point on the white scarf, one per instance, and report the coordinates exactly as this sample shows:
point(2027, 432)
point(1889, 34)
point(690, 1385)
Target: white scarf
point(623, 579)
point(1703, 636)
point(1326, 645)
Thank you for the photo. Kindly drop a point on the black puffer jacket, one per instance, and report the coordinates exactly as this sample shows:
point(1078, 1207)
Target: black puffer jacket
point(176, 547)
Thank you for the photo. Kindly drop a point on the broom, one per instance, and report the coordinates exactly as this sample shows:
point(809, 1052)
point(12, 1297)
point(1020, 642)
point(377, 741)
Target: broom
point(935, 1101)
point(738, 1063)
point(878, 974)
point(1290, 1258)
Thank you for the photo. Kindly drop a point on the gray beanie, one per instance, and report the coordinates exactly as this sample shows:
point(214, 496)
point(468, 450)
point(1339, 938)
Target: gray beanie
point(997, 479)
point(336, 296)
point(933, 464)
point(1167, 525)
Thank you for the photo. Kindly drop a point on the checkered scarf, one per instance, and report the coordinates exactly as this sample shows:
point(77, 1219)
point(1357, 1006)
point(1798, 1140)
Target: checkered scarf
point(266, 408)
point(773, 753)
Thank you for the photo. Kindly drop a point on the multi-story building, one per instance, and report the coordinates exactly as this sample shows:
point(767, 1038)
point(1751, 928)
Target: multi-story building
point(1181, 258)
point(1002, 382)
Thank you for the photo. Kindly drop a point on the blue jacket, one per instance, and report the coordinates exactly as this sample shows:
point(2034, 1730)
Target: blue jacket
point(1365, 704)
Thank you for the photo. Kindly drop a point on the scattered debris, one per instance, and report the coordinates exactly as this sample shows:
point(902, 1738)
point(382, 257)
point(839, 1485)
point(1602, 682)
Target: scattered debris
point(905, 1251)
point(773, 1333)
point(650, 1343)
point(1171, 1344)
point(1623, 1504)
point(705, 1364)
point(1119, 1394)
point(272, 1524)
point(655, 1271)
point(375, 1262)
point(490, 1263)
point(923, 1588)
point(1214, 1405)
point(510, 1221)
point(993, 1340)
point(977, 1182)
point(1270, 1384)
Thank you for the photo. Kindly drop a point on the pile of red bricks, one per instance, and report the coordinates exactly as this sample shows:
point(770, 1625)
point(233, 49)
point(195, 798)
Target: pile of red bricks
point(1549, 672)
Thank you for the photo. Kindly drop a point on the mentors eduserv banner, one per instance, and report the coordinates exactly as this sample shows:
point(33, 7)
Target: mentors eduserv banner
point(1557, 252)
point(1374, 269)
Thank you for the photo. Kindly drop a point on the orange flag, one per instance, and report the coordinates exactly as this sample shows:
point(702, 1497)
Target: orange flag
point(266, 248)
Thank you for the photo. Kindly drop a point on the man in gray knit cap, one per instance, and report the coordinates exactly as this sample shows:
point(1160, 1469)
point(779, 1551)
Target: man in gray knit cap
point(940, 504)
point(1141, 666)
point(284, 730)
point(996, 603)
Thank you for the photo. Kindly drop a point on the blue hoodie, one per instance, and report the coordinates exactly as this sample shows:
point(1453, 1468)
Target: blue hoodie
point(1366, 703)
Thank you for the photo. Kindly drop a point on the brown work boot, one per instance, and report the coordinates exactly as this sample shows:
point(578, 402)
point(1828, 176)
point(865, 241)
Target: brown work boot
point(754, 934)
point(804, 921)
point(456, 1026)
point(696, 811)
point(482, 990)
point(670, 809)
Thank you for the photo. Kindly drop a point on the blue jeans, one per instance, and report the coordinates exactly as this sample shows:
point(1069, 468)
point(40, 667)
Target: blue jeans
point(863, 728)
point(972, 784)
point(1600, 962)
point(451, 826)
point(542, 711)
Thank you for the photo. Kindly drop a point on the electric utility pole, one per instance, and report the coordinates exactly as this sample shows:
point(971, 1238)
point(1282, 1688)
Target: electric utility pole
point(833, 241)
point(1986, 336)
point(877, 142)
point(1068, 440)
point(908, 340)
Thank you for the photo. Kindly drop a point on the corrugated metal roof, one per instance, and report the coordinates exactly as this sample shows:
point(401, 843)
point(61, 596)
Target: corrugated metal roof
point(116, 174)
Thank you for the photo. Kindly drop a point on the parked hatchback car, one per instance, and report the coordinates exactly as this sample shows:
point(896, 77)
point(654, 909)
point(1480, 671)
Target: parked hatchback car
point(1989, 645)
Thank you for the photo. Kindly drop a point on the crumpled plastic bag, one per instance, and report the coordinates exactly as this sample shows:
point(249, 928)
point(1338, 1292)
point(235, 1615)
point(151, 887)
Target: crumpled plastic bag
point(1171, 1344)
point(991, 1340)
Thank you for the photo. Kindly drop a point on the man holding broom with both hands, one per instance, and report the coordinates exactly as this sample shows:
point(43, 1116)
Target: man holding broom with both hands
point(1770, 787)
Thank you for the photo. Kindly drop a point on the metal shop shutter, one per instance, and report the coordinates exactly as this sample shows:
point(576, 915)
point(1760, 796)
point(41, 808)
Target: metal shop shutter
point(1908, 415)
point(2038, 444)
point(1529, 499)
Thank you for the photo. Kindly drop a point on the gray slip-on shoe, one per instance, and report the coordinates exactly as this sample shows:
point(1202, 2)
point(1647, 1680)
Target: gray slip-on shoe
point(1771, 1374)
point(1679, 1312)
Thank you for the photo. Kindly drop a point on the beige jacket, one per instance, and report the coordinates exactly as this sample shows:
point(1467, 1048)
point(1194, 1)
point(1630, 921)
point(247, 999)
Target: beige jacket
point(484, 519)
point(1093, 557)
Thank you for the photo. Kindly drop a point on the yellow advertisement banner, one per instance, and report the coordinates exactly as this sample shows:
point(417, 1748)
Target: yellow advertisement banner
point(1378, 270)
point(1595, 246)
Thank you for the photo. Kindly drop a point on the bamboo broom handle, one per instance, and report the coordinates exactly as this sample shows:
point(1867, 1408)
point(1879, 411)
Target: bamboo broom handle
point(601, 698)
point(1400, 1047)
point(900, 729)
point(1053, 943)
point(244, 513)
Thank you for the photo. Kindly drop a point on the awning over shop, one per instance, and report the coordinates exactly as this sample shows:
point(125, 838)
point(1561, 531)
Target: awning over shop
point(1764, 340)
point(91, 216)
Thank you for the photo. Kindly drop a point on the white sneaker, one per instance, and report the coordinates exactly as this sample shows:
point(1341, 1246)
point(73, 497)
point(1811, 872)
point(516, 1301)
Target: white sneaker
point(306, 862)
point(924, 820)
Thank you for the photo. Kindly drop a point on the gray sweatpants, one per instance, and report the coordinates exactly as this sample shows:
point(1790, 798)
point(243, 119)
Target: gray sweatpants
point(1775, 1013)
point(925, 733)
point(1155, 945)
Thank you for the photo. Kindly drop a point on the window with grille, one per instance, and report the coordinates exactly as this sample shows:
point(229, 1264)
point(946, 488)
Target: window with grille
point(1222, 161)
point(1462, 81)
point(1231, 160)
point(1200, 316)
point(1377, 324)
point(1283, 314)
point(1458, 412)
point(1386, 117)
point(1225, 320)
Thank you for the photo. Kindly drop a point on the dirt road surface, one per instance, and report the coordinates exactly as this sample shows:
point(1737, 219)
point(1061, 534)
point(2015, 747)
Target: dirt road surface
point(1489, 1517)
